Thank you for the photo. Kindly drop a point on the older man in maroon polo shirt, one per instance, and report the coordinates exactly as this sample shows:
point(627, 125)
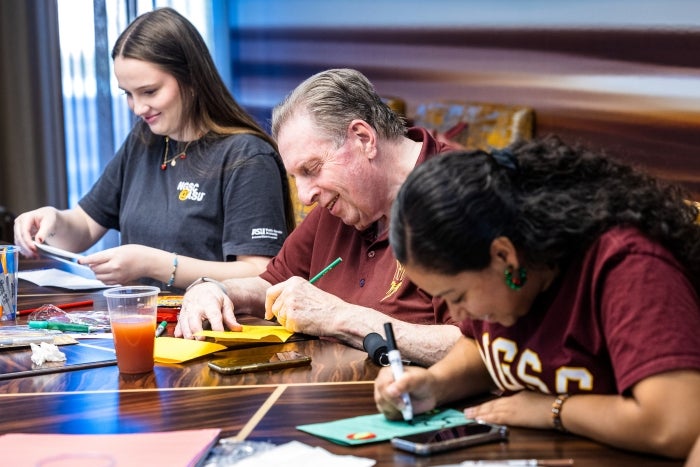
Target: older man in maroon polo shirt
point(349, 153)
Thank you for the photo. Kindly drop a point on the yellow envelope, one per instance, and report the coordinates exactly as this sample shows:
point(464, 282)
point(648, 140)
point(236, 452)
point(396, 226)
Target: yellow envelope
point(249, 334)
point(175, 350)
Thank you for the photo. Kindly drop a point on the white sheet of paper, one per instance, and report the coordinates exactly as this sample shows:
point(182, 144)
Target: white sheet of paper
point(57, 278)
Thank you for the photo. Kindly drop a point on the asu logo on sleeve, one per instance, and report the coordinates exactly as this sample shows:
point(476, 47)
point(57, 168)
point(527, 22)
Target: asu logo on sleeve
point(265, 232)
point(189, 191)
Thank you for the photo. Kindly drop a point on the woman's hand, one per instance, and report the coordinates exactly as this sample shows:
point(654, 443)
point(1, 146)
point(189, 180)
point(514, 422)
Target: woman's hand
point(418, 382)
point(38, 225)
point(70, 229)
point(123, 264)
point(525, 408)
point(660, 403)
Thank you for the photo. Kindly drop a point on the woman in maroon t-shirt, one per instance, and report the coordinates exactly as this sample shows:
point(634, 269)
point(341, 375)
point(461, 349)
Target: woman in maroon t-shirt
point(578, 279)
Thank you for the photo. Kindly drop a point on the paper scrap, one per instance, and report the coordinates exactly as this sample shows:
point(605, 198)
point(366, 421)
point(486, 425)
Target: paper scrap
point(176, 350)
point(249, 334)
point(22, 335)
point(46, 352)
point(296, 454)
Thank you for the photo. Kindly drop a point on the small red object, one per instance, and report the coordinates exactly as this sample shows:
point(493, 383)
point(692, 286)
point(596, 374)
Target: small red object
point(361, 435)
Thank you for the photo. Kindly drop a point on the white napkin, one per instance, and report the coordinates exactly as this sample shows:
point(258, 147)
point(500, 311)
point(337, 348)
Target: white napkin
point(46, 353)
point(296, 454)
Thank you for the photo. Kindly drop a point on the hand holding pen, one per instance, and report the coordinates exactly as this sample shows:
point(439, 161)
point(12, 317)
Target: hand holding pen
point(274, 292)
point(397, 370)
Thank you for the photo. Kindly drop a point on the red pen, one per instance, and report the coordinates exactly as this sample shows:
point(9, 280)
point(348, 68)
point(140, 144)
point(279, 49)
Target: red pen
point(61, 306)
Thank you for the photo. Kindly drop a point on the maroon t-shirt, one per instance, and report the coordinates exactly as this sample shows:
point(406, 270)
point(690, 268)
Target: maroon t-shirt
point(369, 275)
point(623, 312)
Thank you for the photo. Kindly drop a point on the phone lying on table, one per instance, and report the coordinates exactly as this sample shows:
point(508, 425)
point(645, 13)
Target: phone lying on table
point(455, 437)
point(258, 359)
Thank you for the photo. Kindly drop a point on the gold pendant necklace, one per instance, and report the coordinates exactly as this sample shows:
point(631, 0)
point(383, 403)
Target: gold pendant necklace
point(173, 160)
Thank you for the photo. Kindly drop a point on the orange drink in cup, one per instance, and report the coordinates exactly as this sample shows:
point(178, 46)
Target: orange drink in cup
point(132, 315)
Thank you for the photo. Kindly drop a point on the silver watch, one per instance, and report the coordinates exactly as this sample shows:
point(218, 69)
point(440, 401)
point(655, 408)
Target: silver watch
point(208, 279)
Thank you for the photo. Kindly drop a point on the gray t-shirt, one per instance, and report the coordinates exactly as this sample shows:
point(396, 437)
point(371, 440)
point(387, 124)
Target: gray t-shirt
point(223, 200)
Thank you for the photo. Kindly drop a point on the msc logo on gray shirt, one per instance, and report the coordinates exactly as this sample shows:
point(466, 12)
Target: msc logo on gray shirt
point(189, 190)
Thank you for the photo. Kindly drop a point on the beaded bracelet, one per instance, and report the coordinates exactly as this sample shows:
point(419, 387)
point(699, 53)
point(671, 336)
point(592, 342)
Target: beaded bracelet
point(171, 281)
point(556, 412)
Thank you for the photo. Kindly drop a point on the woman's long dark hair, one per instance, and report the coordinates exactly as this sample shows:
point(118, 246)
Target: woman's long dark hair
point(551, 200)
point(168, 40)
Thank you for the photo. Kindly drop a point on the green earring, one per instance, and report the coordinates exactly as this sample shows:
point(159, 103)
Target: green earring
point(515, 283)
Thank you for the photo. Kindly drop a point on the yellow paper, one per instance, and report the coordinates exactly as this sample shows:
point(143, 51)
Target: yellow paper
point(249, 334)
point(175, 350)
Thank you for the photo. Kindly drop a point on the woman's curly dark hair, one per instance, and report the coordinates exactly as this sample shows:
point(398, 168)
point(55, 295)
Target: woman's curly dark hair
point(550, 199)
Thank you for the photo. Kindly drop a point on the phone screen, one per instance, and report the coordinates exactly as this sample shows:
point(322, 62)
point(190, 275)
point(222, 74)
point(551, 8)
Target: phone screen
point(450, 438)
point(461, 431)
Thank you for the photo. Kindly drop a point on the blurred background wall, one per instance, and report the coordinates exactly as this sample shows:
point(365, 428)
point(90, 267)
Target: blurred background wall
point(623, 75)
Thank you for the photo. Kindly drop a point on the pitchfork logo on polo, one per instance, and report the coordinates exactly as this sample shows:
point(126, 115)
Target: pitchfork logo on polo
point(396, 282)
point(189, 190)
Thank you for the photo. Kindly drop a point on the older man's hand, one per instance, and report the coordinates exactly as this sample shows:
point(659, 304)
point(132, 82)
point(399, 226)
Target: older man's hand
point(205, 301)
point(302, 307)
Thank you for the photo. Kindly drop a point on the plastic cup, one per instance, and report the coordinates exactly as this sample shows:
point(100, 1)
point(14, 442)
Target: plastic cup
point(132, 315)
point(9, 259)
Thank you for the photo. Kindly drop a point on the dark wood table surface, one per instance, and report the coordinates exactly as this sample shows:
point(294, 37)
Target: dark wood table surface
point(264, 406)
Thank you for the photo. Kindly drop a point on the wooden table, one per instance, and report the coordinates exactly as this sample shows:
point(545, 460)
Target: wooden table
point(264, 406)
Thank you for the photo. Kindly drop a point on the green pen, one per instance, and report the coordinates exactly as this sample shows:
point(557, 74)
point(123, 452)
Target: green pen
point(325, 270)
point(69, 327)
point(161, 328)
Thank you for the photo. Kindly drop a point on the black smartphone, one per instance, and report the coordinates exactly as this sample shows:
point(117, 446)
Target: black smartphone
point(258, 359)
point(451, 438)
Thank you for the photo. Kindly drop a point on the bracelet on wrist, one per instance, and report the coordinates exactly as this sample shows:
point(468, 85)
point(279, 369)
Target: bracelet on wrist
point(556, 412)
point(171, 281)
point(208, 279)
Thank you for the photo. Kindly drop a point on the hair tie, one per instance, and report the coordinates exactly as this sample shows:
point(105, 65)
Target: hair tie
point(505, 159)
